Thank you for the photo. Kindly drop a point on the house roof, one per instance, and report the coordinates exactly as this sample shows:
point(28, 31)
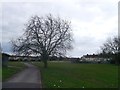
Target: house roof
point(5, 54)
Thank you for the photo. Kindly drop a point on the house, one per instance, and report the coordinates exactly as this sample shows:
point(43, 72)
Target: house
point(24, 58)
point(95, 58)
point(5, 58)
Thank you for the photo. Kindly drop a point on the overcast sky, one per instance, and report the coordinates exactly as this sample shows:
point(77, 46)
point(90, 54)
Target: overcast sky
point(93, 21)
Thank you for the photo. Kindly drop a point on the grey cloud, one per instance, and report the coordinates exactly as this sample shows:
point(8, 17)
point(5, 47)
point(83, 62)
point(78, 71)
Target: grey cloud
point(6, 47)
point(15, 15)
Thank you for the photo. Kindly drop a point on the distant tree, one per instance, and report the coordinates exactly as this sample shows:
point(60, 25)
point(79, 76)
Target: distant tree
point(112, 47)
point(0, 48)
point(44, 36)
point(0, 54)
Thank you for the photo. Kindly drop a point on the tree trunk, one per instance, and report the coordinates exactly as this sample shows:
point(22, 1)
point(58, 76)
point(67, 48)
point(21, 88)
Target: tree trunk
point(45, 58)
point(117, 56)
point(45, 64)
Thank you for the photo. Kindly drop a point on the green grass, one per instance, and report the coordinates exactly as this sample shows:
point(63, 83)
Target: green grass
point(0, 71)
point(13, 68)
point(68, 75)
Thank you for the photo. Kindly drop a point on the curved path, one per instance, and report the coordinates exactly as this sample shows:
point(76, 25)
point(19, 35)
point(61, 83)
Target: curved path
point(28, 78)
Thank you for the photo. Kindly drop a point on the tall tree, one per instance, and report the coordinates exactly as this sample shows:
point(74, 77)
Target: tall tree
point(112, 47)
point(44, 36)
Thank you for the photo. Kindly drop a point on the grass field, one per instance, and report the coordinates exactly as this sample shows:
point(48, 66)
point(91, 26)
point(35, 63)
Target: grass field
point(13, 67)
point(68, 75)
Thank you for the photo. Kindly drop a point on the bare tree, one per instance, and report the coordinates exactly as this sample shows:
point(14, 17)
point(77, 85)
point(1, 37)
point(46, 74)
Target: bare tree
point(44, 36)
point(112, 47)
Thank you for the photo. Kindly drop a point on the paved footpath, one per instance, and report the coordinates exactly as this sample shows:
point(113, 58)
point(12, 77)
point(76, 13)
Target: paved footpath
point(28, 78)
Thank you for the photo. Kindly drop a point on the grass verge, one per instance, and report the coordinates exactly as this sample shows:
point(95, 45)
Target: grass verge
point(13, 68)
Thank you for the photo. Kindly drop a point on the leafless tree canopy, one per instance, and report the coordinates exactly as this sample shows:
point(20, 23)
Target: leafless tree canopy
point(111, 46)
point(44, 36)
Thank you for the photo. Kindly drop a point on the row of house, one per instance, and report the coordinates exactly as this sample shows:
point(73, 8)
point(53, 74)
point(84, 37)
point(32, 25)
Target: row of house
point(24, 58)
point(98, 58)
point(85, 58)
point(6, 57)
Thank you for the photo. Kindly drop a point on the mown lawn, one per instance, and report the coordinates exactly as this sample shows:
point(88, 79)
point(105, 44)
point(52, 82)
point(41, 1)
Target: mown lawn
point(13, 68)
point(68, 75)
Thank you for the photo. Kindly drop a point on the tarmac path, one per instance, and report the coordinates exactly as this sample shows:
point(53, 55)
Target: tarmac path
point(28, 78)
